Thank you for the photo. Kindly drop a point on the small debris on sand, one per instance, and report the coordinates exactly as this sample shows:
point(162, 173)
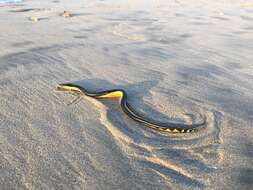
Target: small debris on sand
point(34, 19)
point(66, 14)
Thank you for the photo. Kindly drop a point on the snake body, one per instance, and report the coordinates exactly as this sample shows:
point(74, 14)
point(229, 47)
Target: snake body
point(122, 96)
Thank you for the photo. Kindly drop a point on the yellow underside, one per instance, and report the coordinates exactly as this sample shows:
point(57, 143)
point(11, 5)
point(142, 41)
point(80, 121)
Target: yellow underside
point(70, 88)
point(116, 94)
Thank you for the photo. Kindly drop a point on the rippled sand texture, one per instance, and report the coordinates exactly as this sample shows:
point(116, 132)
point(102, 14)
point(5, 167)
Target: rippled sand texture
point(174, 58)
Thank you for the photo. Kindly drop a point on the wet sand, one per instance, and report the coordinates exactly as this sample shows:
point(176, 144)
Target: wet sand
point(175, 59)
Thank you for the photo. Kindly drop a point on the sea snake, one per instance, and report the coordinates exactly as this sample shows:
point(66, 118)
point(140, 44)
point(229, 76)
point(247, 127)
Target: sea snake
point(122, 96)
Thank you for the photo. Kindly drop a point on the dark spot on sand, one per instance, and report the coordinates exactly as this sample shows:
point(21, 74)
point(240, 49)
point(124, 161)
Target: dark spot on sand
point(166, 40)
point(185, 35)
point(250, 28)
point(198, 23)
point(155, 53)
point(220, 18)
point(25, 10)
point(106, 49)
point(80, 37)
point(12, 5)
point(22, 44)
point(180, 15)
point(154, 28)
point(247, 18)
point(45, 18)
point(79, 14)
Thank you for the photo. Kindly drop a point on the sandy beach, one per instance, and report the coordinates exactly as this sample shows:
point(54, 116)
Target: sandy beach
point(175, 59)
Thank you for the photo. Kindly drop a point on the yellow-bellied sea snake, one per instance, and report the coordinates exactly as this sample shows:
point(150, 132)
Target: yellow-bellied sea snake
point(122, 95)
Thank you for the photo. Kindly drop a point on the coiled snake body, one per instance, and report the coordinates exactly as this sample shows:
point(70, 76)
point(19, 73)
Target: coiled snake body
point(122, 96)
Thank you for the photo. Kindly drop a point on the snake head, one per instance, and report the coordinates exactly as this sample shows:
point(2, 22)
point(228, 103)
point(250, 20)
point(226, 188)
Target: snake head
point(68, 87)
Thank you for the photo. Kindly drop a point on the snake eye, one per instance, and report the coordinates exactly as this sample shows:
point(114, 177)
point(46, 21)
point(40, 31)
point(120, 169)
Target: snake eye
point(59, 87)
